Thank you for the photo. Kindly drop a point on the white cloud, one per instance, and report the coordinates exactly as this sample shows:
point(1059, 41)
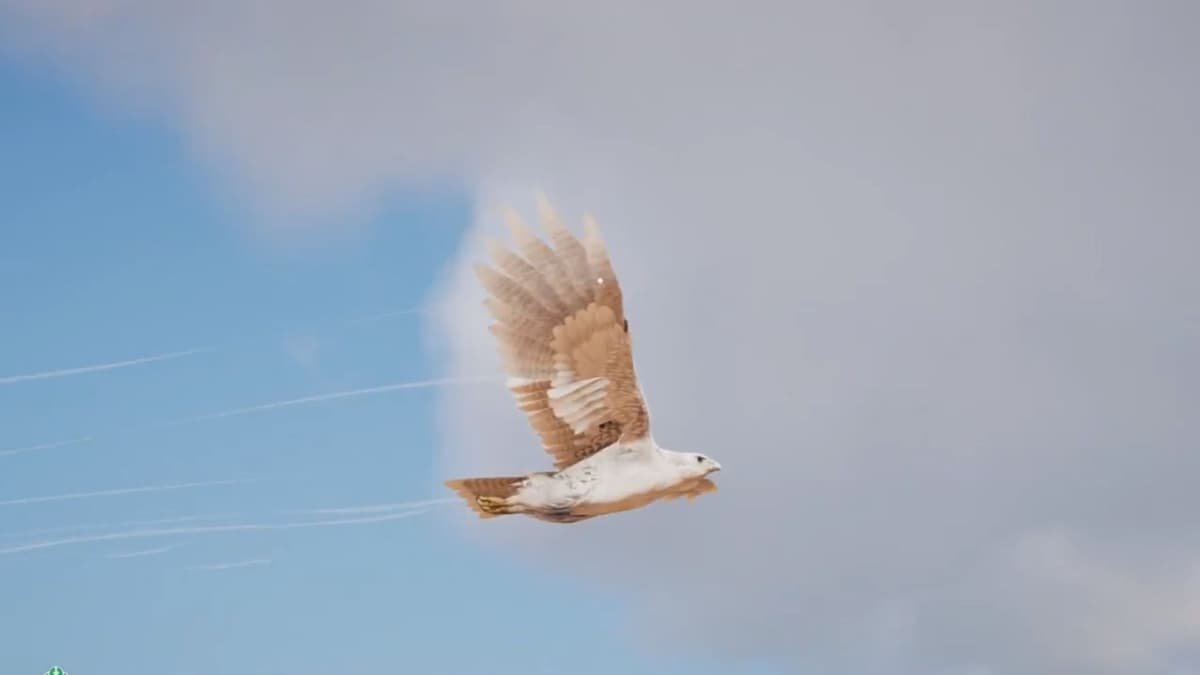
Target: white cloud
point(96, 368)
point(115, 492)
point(216, 567)
point(920, 275)
point(45, 446)
point(140, 553)
point(334, 396)
point(377, 508)
point(158, 532)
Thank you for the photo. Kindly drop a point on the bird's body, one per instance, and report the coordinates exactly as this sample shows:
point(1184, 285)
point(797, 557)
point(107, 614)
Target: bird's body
point(614, 479)
point(566, 347)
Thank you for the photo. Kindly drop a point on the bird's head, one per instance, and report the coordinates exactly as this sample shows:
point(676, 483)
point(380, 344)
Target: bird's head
point(695, 465)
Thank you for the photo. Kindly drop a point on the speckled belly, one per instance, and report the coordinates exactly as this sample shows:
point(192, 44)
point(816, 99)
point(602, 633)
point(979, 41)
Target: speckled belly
point(690, 489)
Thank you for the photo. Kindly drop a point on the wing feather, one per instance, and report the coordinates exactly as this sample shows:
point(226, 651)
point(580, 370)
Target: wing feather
point(514, 320)
point(608, 291)
point(569, 250)
point(563, 338)
point(527, 276)
point(544, 259)
point(512, 293)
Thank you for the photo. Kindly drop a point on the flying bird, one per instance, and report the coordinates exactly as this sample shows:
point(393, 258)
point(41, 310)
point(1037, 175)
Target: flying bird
point(565, 346)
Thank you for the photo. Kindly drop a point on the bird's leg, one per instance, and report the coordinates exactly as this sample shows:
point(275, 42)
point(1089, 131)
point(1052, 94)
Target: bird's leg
point(494, 505)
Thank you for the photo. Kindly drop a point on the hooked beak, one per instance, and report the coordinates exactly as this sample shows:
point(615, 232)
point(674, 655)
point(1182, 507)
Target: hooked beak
point(716, 466)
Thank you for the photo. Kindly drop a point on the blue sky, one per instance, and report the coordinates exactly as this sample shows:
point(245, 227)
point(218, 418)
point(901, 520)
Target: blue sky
point(923, 281)
point(116, 244)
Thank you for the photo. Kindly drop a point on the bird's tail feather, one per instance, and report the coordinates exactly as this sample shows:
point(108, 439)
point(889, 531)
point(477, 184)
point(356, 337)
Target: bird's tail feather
point(495, 487)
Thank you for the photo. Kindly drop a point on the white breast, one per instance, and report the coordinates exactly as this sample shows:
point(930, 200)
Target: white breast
point(621, 473)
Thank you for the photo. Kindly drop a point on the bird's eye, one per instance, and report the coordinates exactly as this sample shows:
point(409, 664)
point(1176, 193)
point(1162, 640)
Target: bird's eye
point(699, 459)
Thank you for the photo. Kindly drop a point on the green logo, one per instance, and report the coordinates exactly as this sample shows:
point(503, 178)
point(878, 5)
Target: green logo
point(56, 671)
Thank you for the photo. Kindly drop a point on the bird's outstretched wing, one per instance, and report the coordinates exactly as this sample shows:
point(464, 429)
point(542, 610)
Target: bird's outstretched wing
point(563, 338)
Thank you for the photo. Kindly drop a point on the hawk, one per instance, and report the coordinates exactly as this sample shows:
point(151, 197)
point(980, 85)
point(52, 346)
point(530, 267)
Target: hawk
point(565, 346)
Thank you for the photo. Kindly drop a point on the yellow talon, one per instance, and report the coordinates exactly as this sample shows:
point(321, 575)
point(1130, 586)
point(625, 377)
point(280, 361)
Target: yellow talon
point(490, 504)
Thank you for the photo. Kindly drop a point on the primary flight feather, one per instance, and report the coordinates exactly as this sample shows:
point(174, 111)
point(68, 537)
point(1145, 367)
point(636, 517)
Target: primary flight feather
point(565, 345)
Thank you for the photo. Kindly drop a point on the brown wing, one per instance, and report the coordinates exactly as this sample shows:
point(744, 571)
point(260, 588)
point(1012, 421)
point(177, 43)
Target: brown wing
point(563, 338)
point(693, 489)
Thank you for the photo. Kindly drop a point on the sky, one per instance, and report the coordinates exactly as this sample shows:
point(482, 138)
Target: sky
point(920, 276)
point(115, 246)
